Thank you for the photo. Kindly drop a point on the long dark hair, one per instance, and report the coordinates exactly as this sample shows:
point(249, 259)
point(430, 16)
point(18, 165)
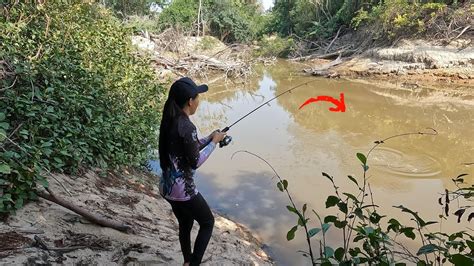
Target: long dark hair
point(171, 111)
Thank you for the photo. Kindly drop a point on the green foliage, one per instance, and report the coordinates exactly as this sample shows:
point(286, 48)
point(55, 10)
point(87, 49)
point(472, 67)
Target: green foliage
point(142, 23)
point(207, 43)
point(125, 8)
point(399, 17)
point(227, 21)
point(311, 19)
point(260, 25)
point(331, 201)
point(302, 16)
point(275, 46)
point(253, 18)
point(291, 234)
point(312, 232)
point(74, 95)
point(243, 21)
point(361, 16)
point(281, 20)
point(393, 18)
point(180, 13)
point(362, 158)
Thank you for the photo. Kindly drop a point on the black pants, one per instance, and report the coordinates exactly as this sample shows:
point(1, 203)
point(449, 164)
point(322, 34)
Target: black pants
point(186, 212)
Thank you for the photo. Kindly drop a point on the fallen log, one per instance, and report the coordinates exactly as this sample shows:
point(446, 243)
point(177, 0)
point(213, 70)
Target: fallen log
point(329, 65)
point(95, 218)
point(322, 73)
point(343, 53)
point(323, 70)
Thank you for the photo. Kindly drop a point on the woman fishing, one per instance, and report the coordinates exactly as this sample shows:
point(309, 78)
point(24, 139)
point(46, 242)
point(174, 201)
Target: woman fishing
point(181, 153)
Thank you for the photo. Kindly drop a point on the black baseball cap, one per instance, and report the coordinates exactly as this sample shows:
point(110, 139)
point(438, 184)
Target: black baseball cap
point(184, 89)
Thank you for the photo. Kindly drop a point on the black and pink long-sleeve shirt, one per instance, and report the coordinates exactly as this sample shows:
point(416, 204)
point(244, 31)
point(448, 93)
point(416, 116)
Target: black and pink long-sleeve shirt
point(186, 153)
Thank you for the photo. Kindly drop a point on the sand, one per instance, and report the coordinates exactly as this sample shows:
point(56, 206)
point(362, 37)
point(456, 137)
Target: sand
point(131, 198)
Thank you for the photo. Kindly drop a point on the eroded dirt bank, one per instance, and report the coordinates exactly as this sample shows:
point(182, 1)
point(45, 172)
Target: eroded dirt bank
point(414, 63)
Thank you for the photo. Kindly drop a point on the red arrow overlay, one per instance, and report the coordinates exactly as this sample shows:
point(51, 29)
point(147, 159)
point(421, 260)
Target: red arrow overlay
point(340, 105)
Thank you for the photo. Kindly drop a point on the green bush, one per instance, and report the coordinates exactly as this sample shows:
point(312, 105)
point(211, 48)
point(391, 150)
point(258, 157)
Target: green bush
point(180, 13)
point(320, 20)
point(261, 25)
point(361, 17)
point(125, 8)
point(275, 46)
point(303, 15)
point(227, 22)
point(73, 95)
point(207, 43)
point(142, 23)
point(399, 17)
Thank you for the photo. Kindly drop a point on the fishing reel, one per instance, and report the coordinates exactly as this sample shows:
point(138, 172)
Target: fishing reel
point(226, 140)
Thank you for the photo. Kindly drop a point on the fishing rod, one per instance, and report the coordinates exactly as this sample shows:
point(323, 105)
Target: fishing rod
point(228, 139)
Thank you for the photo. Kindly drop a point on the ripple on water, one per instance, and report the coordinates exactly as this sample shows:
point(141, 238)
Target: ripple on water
point(401, 164)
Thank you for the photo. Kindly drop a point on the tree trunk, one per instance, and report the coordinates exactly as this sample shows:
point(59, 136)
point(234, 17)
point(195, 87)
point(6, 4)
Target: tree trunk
point(199, 19)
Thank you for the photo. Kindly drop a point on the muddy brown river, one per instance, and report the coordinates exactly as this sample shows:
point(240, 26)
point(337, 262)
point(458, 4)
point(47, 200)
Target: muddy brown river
point(300, 144)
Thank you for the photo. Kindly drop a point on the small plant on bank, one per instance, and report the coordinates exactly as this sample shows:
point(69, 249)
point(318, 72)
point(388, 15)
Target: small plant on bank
point(364, 240)
point(275, 46)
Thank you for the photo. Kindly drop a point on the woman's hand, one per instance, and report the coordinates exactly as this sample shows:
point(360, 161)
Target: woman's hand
point(213, 133)
point(217, 136)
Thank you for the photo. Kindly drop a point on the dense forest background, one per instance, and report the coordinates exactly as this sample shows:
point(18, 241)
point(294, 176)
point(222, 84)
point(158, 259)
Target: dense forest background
point(296, 20)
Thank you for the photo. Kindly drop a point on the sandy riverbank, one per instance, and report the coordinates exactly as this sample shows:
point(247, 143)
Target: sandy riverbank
point(131, 198)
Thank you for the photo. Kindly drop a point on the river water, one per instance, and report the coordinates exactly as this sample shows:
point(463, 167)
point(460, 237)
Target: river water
point(302, 143)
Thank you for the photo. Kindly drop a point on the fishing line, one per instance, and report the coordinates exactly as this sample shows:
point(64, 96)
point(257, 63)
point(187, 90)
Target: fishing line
point(228, 139)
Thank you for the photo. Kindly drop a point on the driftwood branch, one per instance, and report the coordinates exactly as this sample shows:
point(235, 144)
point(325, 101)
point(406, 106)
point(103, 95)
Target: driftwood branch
point(337, 35)
point(342, 53)
point(462, 32)
point(41, 244)
point(95, 218)
point(24, 231)
point(323, 70)
point(171, 51)
point(197, 63)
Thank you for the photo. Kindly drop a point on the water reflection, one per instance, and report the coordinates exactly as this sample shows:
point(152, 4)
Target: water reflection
point(301, 144)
